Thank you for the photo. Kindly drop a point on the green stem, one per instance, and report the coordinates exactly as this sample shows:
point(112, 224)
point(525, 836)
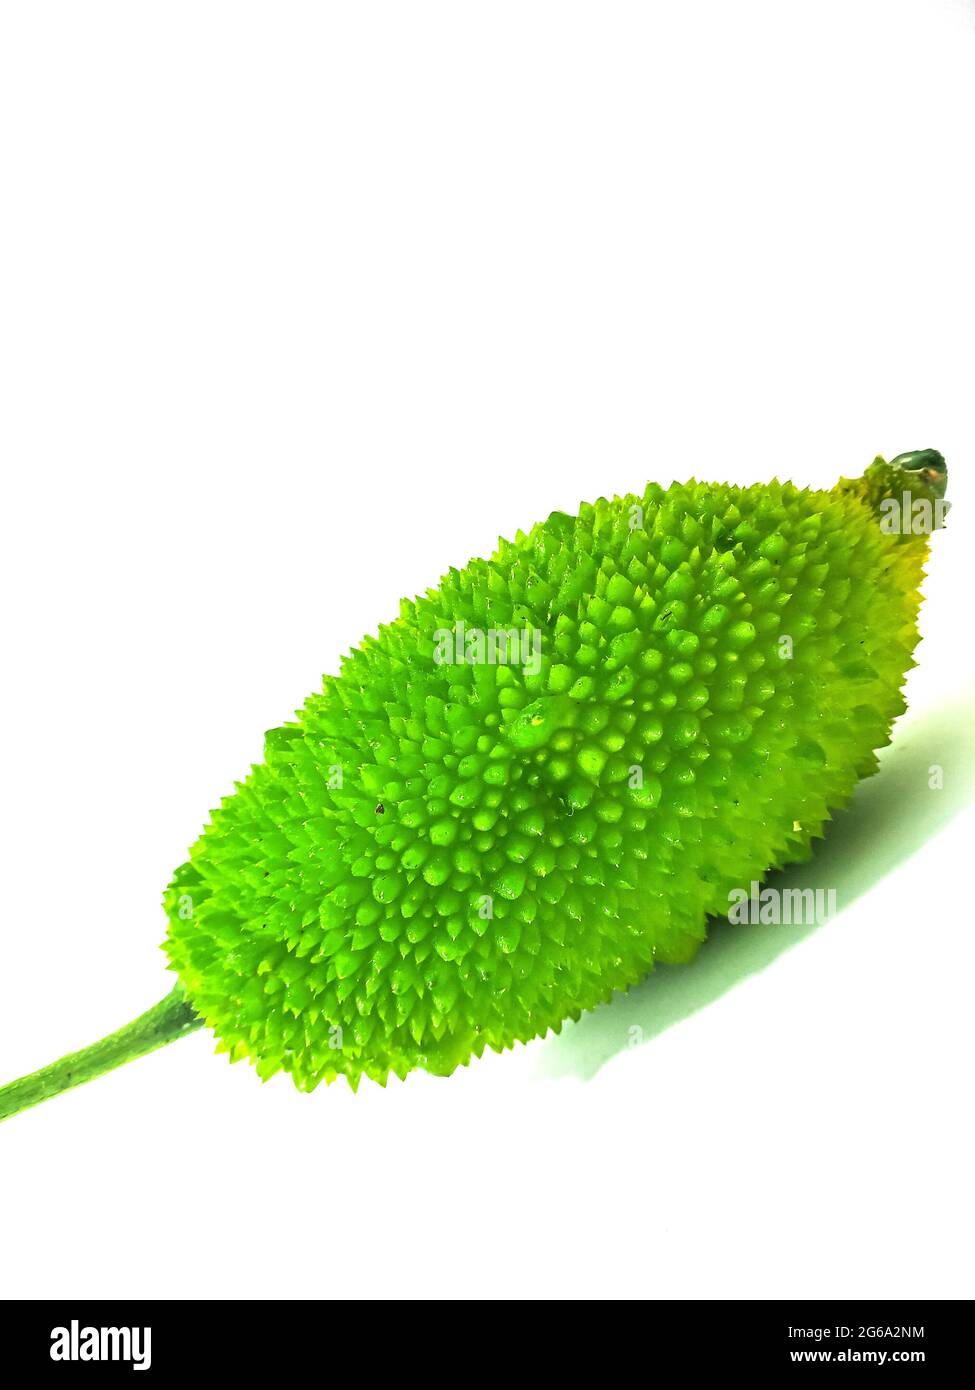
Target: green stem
point(171, 1018)
point(921, 473)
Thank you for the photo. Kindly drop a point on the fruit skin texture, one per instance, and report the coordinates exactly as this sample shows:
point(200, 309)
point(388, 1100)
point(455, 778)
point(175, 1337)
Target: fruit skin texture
point(508, 846)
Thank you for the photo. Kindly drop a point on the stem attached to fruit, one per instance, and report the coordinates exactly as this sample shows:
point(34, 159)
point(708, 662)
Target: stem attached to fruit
point(920, 474)
point(927, 466)
point(171, 1018)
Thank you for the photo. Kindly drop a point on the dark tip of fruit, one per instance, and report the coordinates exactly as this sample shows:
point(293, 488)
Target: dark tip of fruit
point(926, 464)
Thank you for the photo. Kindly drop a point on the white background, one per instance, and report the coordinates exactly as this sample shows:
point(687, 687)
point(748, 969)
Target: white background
point(301, 304)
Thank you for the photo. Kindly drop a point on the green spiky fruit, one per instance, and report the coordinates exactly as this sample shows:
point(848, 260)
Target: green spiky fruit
point(465, 838)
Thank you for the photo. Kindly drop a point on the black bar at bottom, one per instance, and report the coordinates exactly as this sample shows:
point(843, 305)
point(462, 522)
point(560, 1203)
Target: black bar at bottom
point(193, 1342)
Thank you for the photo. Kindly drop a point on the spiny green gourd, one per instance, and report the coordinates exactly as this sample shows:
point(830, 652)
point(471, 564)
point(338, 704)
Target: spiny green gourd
point(545, 775)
